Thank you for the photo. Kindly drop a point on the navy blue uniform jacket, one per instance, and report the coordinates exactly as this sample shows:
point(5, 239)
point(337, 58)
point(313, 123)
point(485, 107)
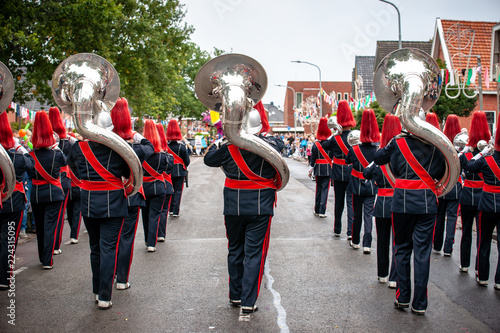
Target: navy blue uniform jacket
point(100, 204)
point(383, 203)
point(322, 170)
point(422, 201)
point(339, 172)
point(17, 201)
point(179, 148)
point(65, 146)
point(160, 163)
point(470, 196)
point(143, 150)
point(245, 202)
point(489, 202)
point(359, 186)
point(52, 160)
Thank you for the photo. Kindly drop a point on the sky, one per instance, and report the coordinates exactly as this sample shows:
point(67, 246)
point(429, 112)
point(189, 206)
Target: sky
point(328, 34)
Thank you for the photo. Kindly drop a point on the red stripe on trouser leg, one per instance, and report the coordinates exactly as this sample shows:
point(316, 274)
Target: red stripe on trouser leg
point(116, 251)
point(65, 202)
point(133, 241)
point(265, 248)
point(55, 233)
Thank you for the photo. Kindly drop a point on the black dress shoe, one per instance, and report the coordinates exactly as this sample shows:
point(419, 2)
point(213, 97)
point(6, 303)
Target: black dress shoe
point(400, 306)
point(235, 302)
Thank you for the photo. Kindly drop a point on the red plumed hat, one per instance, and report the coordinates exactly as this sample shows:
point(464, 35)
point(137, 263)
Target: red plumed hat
point(173, 130)
point(6, 138)
point(391, 128)
point(122, 122)
point(323, 131)
point(369, 127)
point(163, 138)
point(263, 117)
point(432, 119)
point(479, 129)
point(57, 123)
point(451, 127)
point(151, 133)
point(43, 136)
point(344, 115)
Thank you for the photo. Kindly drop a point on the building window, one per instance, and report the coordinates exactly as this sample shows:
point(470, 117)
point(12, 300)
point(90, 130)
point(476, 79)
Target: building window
point(346, 96)
point(339, 96)
point(490, 116)
point(299, 99)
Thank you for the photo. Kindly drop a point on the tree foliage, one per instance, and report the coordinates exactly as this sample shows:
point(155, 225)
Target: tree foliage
point(145, 40)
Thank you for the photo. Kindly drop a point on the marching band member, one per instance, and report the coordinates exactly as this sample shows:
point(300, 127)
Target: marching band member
point(432, 119)
point(99, 170)
point(382, 211)
point(167, 176)
point(321, 161)
point(473, 186)
point(12, 209)
point(47, 195)
point(178, 150)
point(341, 171)
point(65, 146)
point(363, 190)
point(249, 199)
point(489, 207)
point(122, 126)
point(448, 205)
point(73, 206)
point(154, 186)
point(415, 164)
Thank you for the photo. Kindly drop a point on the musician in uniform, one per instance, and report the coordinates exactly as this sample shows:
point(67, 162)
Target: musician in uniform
point(448, 205)
point(489, 208)
point(178, 150)
point(321, 161)
point(122, 126)
point(415, 163)
point(65, 146)
point(12, 209)
point(363, 190)
point(154, 186)
point(104, 207)
point(341, 171)
point(472, 189)
point(167, 176)
point(382, 210)
point(249, 199)
point(47, 195)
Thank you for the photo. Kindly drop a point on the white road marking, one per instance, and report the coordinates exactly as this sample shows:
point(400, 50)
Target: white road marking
point(17, 271)
point(277, 300)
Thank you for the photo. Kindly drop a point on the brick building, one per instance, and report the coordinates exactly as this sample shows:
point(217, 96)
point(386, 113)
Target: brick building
point(454, 41)
point(304, 89)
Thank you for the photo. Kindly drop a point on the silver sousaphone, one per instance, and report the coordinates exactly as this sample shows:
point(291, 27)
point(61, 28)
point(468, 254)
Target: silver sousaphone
point(86, 86)
point(6, 166)
point(232, 84)
point(405, 81)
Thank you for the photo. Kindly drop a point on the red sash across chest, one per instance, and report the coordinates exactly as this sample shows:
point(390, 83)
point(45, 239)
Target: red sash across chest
point(473, 183)
point(326, 159)
point(386, 192)
point(177, 159)
point(362, 160)
point(343, 147)
point(154, 175)
point(496, 170)
point(47, 178)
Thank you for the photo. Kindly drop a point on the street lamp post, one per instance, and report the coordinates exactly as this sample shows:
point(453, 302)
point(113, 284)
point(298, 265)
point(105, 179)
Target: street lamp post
point(320, 89)
point(294, 106)
point(399, 20)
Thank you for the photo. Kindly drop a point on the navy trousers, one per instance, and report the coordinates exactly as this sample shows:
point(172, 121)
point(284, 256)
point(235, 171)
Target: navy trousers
point(341, 195)
point(468, 213)
point(447, 210)
point(322, 188)
point(175, 204)
point(248, 242)
point(151, 218)
point(60, 223)
point(487, 223)
point(10, 225)
point(46, 216)
point(74, 212)
point(384, 227)
point(104, 237)
point(162, 228)
point(126, 245)
point(363, 210)
point(413, 233)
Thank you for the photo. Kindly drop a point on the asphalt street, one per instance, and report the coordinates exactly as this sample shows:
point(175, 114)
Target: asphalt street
point(313, 282)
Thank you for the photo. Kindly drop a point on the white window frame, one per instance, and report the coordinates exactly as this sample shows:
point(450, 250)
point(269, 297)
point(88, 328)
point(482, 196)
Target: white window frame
point(346, 96)
point(492, 125)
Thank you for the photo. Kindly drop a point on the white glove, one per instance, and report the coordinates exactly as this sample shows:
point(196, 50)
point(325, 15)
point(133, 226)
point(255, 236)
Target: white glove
point(71, 139)
point(21, 149)
point(466, 149)
point(486, 150)
point(137, 138)
point(477, 156)
point(369, 165)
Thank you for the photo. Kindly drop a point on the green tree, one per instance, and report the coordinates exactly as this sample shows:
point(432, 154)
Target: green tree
point(146, 41)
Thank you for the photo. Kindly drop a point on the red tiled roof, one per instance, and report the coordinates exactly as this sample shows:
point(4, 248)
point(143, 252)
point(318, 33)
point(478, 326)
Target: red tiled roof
point(481, 45)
